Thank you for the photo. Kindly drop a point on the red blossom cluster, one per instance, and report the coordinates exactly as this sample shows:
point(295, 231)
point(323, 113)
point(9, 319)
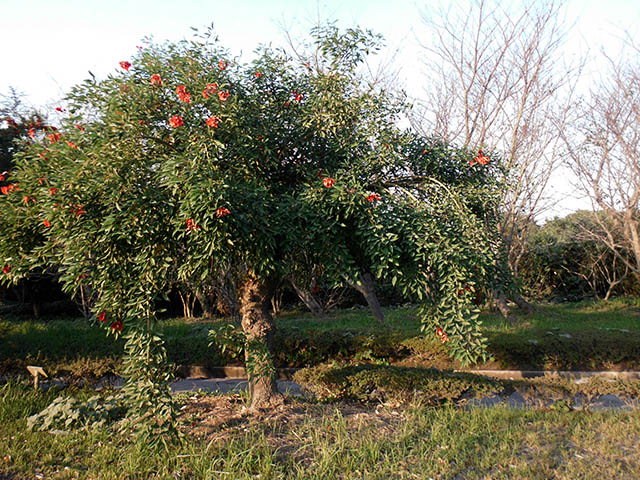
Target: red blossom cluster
point(191, 226)
point(3, 176)
point(176, 121)
point(53, 191)
point(102, 316)
point(223, 65)
point(442, 335)
point(117, 325)
point(80, 127)
point(223, 95)
point(328, 182)
point(71, 144)
point(53, 137)
point(6, 269)
point(183, 95)
point(13, 187)
point(78, 210)
point(481, 159)
point(213, 122)
point(258, 74)
point(156, 79)
point(374, 197)
point(125, 65)
point(26, 199)
point(297, 96)
point(46, 223)
point(210, 89)
point(221, 212)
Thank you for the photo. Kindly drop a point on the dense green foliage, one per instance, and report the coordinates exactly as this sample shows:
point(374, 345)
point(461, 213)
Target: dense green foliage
point(566, 259)
point(187, 162)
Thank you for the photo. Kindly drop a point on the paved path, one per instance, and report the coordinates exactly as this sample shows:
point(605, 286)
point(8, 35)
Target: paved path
point(227, 385)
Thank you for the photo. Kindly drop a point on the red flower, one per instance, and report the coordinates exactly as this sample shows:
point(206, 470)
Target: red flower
point(328, 182)
point(6, 269)
point(28, 199)
point(47, 223)
point(183, 95)
point(53, 191)
point(481, 159)
point(374, 197)
point(117, 325)
point(156, 79)
point(191, 226)
point(222, 64)
point(80, 127)
point(443, 336)
point(60, 109)
point(210, 89)
point(258, 74)
point(4, 190)
point(125, 65)
point(176, 121)
point(213, 122)
point(71, 144)
point(315, 289)
point(221, 212)
point(2, 177)
point(32, 132)
point(223, 95)
point(297, 96)
point(102, 316)
point(77, 209)
point(54, 137)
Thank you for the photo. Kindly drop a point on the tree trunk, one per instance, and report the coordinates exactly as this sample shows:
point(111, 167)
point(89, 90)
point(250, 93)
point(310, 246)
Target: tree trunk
point(259, 329)
point(501, 302)
point(206, 298)
point(366, 287)
point(523, 304)
point(307, 298)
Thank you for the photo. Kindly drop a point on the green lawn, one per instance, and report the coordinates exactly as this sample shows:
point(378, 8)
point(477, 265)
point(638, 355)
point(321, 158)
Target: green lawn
point(587, 335)
point(305, 440)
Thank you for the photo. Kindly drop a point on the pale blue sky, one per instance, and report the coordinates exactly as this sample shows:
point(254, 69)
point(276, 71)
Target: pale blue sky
point(49, 46)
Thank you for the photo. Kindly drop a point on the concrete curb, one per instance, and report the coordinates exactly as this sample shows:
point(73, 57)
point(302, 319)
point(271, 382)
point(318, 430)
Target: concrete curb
point(571, 375)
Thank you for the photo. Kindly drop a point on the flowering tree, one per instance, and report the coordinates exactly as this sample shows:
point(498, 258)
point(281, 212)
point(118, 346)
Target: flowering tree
point(185, 163)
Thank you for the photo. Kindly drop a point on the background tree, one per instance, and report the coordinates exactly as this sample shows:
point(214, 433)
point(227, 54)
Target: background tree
point(495, 81)
point(187, 161)
point(565, 260)
point(604, 146)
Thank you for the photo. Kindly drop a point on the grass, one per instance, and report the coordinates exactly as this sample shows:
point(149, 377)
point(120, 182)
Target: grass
point(586, 335)
point(303, 440)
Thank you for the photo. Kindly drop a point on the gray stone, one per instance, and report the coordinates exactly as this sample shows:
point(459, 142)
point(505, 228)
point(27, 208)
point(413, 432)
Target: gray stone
point(609, 402)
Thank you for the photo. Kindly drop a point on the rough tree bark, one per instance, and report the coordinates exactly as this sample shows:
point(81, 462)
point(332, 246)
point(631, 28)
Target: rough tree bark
point(259, 328)
point(366, 287)
point(307, 298)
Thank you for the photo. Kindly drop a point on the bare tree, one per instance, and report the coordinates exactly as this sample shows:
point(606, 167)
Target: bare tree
point(604, 146)
point(496, 81)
